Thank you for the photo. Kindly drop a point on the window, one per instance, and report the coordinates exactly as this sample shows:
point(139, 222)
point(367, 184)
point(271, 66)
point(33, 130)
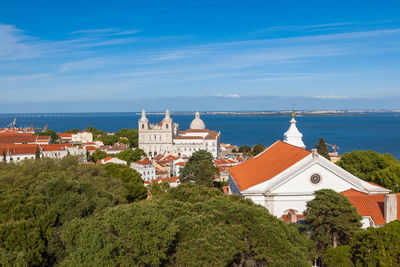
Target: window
point(166, 125)
point(142, 126)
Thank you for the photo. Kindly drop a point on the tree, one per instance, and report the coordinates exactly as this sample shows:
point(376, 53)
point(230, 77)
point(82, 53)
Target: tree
point(322, 148)
point(99, 155)
point(131, 180)
point(109, 139)
point(382, 169)
point(377, 246)
point(51, 133)
point(37, 153)
point(39, 196)
point(131, 155)
point(187, 226)
point(199, 169)
point(74, 131)
point(4, 157)
point(234, 150)
point(257, 149)
point(131, 134)
point(338, 257)
point(332, 220)
point(244, 149)
point(97, 134)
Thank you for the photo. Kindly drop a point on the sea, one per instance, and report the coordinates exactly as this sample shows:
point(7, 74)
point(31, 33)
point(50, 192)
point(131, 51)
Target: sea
point(362, 132)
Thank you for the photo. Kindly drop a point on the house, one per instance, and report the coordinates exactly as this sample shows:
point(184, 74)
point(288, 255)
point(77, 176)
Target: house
point(146, 168)
point(111, 160)
point(82, 137)
point(114, 149)
point(285, 176)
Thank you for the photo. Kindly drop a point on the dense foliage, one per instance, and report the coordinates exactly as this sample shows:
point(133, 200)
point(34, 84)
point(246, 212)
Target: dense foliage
point(371, 247)
point(188, 226)
point(199, 169)
point(128, 136)
point(332, 220)
point(37, 197)
point(131, 155)
point(322, 148)
point(382, 169)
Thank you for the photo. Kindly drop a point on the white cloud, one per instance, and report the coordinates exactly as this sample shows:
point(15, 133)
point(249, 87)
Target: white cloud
point(331, 97)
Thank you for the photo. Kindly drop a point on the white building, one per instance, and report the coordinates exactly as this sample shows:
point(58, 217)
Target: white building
point(285, 176)
point(112, 160)
point(82, 137)
point(146, 169)
point(164, 137)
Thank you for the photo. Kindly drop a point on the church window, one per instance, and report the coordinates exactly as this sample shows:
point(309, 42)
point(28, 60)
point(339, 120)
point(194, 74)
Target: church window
point(315, 178)
point(142, 126)
point(166, 125)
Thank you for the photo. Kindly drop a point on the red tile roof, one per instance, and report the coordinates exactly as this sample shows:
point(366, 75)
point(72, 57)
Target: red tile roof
point(267, 165)
point(226, 190)
point(18, 139)
point(370, 205)
point(21, 149)
point(144, 161)
point(65, 135)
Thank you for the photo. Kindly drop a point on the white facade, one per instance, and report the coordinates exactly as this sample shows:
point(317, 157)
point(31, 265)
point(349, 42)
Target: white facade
point(292, 188)
point(82, 137)
point(164, 138)
point(146, 169)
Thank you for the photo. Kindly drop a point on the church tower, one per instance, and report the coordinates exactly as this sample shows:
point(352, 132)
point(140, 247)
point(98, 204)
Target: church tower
point(293, 136)
point(143, 122)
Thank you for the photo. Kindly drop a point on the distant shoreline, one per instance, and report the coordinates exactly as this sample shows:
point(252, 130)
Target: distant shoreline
point(286, 113)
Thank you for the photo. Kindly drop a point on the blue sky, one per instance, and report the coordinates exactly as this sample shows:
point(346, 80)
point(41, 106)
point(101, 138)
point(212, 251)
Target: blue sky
point(71, 56)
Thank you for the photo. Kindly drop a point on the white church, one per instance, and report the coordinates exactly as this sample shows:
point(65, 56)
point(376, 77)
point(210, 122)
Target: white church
point(165, 137)
point(285, 176)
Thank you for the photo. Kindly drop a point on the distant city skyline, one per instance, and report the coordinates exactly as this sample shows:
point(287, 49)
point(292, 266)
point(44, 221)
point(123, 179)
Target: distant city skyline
point(206, 55)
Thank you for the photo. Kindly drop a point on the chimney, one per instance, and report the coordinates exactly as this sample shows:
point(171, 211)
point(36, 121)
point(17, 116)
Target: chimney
point(292, 216)
point(390, 208)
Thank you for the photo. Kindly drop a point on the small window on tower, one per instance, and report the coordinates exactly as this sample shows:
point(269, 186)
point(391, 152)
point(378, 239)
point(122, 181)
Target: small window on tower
point(142, 126)
point(166, 125)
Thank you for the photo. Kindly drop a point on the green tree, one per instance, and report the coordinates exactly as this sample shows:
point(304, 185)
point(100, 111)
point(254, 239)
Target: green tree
point(109, 139)
point(377, 246)
point(139, 235)
point(199, 169)
point(338, 257)
point(244, 149)
point(257, 149)
point(382, 169)
point(188, 226)
point(37, 197)
point(51, 133)
point(131, 134)
point(99, 155)
point(322, 148)
point(97, 134)
point(37, 153)
point(74, 131)
point(332, 220)
point(131, 180)
point(131, 155)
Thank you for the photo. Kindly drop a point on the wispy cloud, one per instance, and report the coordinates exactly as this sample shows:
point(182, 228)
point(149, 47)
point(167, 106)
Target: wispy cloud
point(106, 32)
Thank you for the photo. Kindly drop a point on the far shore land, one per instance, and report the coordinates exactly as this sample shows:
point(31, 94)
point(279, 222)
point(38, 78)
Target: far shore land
point(281, 113)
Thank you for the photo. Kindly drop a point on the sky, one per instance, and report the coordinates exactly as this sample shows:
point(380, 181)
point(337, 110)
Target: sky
point(206, 55)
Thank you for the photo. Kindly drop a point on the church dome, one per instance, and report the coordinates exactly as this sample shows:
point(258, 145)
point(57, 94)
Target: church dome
point(197, 123)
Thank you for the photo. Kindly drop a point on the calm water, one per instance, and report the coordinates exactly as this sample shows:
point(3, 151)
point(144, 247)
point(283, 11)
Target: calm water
point(379, 133)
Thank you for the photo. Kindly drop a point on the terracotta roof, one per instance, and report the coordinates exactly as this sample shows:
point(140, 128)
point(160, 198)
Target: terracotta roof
point(144, 161)
point(91, 148)
point(212, 135)
point(55, 147)
point(181, 163)
point(18, 139)
point(267, 164)
point(370, 205)
point(353, 192)
point(22, 149)
point(65, 135)
point(158, 157)
point(169, 179)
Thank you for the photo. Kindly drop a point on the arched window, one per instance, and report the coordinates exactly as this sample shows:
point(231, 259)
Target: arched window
point(166, 125)
point(142, 126)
